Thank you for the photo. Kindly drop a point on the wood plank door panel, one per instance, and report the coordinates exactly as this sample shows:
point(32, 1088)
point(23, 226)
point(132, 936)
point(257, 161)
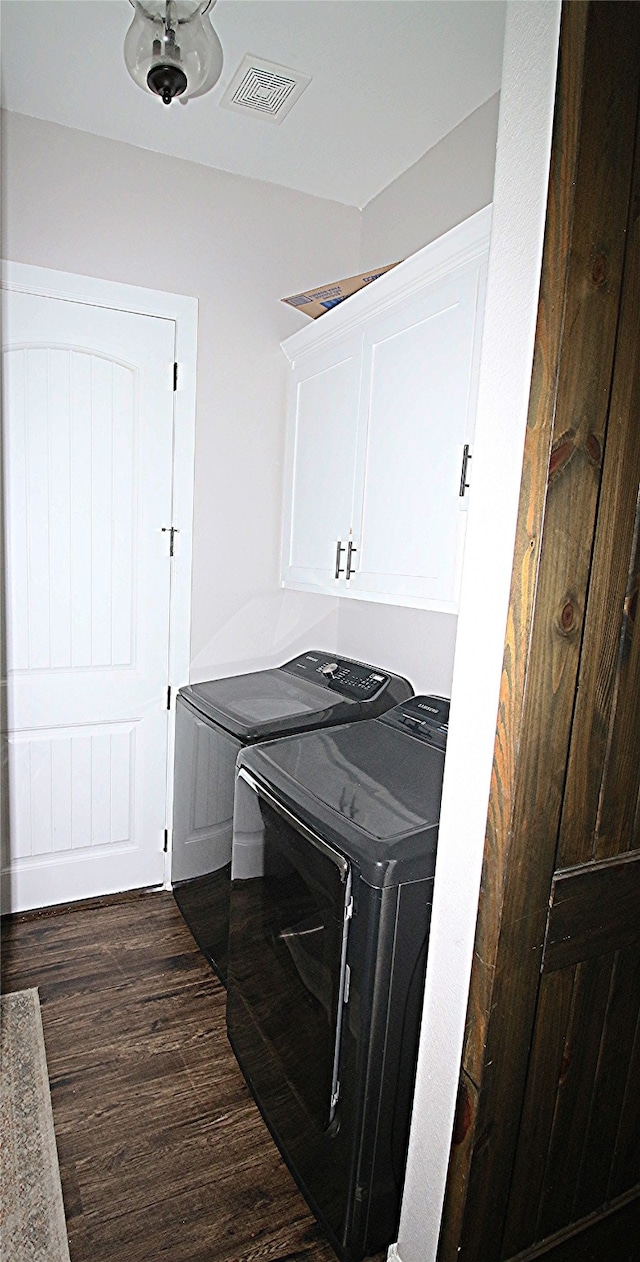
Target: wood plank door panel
point(580, 1073)
point(600, 810)
point(548, 1161)
point(573, 1104)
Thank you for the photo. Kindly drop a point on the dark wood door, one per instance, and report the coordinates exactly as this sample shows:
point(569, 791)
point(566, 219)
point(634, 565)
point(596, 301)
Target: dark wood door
point(546, 1154)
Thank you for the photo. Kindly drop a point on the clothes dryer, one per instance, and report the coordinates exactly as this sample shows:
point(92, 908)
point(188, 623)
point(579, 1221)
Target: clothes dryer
point(214, 721)
point(334, 851)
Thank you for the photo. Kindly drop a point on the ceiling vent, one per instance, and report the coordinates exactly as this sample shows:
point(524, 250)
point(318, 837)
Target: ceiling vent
point(264, 88)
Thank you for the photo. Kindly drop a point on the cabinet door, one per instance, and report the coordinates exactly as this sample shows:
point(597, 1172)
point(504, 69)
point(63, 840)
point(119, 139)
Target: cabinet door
point(419, 382)
point(320, 463)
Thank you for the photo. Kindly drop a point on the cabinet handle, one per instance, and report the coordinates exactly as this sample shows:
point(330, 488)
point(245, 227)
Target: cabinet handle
point(339, 568)
point(466, 457)
point(351, 569)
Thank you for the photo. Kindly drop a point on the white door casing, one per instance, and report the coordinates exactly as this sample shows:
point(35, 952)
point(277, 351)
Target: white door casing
point(89, 481)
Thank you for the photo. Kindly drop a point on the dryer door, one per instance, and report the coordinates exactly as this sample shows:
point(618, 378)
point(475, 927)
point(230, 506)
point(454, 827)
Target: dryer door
point(290, 908)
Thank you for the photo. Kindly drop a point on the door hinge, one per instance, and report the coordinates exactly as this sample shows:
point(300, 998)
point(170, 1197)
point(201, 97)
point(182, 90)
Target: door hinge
point(169, 697)
point(175, 376)
point(336, 1096)
point(171, 531)
point(466, 457)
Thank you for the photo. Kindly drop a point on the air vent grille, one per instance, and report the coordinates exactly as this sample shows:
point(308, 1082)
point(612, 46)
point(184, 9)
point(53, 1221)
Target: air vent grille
point(264, 88)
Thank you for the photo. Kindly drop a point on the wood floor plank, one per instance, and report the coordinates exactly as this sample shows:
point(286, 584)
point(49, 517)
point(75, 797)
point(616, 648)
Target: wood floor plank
point(163, 1154)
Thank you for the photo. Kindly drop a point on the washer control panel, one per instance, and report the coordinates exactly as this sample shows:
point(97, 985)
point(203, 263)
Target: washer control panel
point(350, 679)
point(425, 717)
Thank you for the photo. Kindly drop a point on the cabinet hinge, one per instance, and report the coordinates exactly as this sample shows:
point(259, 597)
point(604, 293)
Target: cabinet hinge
point(466, 457)
point(169, 697)
point(175, 376)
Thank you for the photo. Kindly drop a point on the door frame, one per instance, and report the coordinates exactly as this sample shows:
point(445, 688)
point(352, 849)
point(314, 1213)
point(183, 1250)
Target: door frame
point(515, 257)
point(183, 310)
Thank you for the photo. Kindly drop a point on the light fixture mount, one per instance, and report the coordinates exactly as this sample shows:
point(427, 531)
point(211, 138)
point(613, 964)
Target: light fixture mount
point(171, 48)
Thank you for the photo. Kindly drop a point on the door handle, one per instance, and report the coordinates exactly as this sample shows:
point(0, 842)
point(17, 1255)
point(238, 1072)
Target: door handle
point(351, 569)
point(339, 568)
point(466, 457)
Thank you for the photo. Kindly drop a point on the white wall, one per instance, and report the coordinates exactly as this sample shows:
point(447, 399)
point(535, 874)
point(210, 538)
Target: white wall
point(414, 642)
point(520, 195)
point(84, 204)
point(450, 182)
point(118, 212)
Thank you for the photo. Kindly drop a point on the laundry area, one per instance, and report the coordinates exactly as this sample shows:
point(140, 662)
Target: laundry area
point(270, 285)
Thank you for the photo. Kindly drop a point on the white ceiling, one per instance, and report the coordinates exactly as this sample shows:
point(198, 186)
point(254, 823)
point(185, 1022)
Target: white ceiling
point(389, 79)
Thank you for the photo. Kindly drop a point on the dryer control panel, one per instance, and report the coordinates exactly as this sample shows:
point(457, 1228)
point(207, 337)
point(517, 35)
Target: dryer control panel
point(349, 678)
point(425, 717)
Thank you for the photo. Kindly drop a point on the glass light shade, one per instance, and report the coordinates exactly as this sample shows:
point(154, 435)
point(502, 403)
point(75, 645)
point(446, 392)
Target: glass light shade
point(171, 48)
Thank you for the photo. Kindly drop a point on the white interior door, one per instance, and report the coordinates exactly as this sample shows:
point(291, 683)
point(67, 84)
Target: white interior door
point(88, 439)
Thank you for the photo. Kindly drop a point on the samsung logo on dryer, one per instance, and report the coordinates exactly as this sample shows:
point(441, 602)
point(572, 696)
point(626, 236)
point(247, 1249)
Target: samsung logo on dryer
point(432, 709)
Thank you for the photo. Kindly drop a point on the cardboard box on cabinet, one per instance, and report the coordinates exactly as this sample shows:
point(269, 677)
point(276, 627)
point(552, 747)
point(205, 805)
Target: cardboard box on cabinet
point(315, 302)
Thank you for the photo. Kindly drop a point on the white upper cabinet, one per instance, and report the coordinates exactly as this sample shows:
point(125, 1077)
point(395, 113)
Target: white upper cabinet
point(324, 400)
point(380, 430)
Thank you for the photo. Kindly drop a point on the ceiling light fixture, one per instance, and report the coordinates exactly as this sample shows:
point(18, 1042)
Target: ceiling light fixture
point(172, 49)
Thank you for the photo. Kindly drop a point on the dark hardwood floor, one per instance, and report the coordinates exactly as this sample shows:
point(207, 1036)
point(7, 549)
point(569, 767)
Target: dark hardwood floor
point(163, 1154)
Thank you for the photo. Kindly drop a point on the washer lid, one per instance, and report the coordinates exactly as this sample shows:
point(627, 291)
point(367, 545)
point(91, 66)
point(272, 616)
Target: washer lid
point(370, 788)
point(255, 705)
point(313, 690)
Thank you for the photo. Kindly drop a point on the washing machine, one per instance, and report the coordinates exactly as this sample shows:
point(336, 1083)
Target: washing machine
point(214, 721)
point(334, 851)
